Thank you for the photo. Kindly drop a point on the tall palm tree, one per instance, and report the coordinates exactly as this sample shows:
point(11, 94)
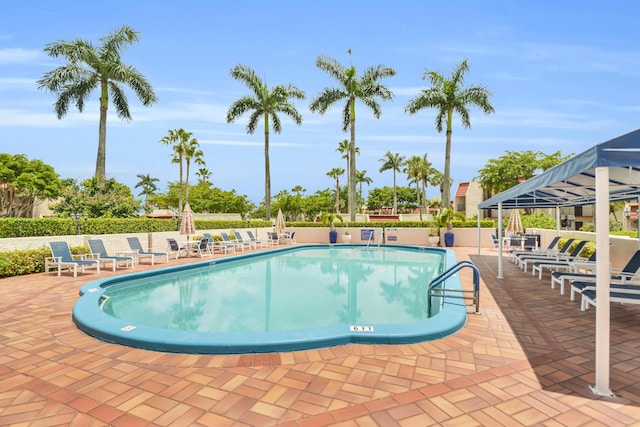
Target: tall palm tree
point(336, 173)
point(178, 140)
point(447, 96)
point(266, 104)
point(427, 172)
point(148, 186)
point(362, 178)
point(365, 88)
point(192, 151)
point(393, 162)
point(344, 149)
point(204, 175)
point(89, 67)
point(414, 168)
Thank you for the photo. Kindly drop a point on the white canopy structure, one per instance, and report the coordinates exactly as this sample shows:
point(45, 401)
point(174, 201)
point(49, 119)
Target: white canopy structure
point(605, 173)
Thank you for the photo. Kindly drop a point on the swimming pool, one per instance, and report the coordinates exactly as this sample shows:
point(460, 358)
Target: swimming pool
point(293, 298)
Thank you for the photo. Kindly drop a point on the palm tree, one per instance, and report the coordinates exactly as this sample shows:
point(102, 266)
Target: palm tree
point(192, 151)
point(344, 149)
point(367, 89)
point(362, 178)
point(336, 173)
point(204, 175)
point(89, 68)
point(393, 162)
point(178, 139)
point(415, 170)
point(427, 173)
point(149, 188)
point(447, 96)
point(265, 103)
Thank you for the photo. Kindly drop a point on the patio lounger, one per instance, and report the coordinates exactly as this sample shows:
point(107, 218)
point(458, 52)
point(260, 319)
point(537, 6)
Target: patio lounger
point(63, 259)
point(203, 248)
point(100, 253)
point(218, 246)
point(624, 294)
point(228, 241)
point(540, 251)
point(619, 276)
point(523, 261)
point(262, 243)
point(135, 245)
point(173, 247)
point(249, 243)
point(561, 264)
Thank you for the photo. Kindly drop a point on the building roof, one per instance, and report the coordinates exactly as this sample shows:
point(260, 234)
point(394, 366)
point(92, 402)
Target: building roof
point(463, 187)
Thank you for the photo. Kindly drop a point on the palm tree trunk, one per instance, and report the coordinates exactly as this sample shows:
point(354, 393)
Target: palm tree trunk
point(102, 135)
point(418, 197)
point(395, 195)
point(352, 164)
point(186, 184)
point(446, 197)
point(337, 195)
point(267, 170)
point(181, 187)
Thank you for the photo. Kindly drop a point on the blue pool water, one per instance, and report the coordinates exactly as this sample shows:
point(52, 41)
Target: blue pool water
point(280, 300)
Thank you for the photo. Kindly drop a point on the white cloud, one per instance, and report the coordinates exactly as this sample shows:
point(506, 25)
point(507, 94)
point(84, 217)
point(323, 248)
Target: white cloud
point(10, 55)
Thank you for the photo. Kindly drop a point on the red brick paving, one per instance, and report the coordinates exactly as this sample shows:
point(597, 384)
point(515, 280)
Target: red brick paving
point(527, 359)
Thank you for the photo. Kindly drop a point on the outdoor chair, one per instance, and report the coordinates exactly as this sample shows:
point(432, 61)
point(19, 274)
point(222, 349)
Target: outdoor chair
point(135, 245)
point(560, 264)
point(623, 294)
point(221, 247)
point(174, 248)
point(228, 241)
point(580, 281)
point(203, 248)
point(262, 243)
point(524, 260)
point(99, 252)
point(250, 244)
point(62, 259)
point(514, 253)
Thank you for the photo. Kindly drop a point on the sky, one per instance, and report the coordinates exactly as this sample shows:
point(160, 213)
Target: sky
point(563, 76)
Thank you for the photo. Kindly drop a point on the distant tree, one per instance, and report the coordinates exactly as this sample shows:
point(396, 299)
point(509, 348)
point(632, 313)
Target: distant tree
point(264, 104)
point(89, 67)
point(204, 175)
point(180, 142)
point(23, 182)
point(416, 171)
point(191, 152)
point(362, 178)
point(448, 96)
point(395, 163)
point(336, 173)
point(344, 149)
point(109, 199)
point(206, 199)
point(149, 187)
point(352, 87)
point(382, 197)
point(513, 167)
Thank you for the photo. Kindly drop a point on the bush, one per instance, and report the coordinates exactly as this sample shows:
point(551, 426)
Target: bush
point(18, 263)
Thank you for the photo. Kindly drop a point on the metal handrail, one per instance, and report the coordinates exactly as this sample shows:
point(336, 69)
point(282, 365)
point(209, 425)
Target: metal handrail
point(450, 272)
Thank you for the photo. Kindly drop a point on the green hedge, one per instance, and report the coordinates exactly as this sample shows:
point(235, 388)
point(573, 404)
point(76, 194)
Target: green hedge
point(29, 261)
point(32, 227)
point(485, 223)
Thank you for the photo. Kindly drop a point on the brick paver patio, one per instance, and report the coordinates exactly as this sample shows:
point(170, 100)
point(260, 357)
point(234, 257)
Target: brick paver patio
point(527, 359)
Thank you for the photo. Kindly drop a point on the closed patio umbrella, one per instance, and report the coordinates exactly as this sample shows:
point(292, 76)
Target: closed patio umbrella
point(515, 223)
point(187, 225)
point(280, 225)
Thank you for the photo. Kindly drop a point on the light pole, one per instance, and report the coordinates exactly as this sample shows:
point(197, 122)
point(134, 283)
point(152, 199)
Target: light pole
point(78, 216)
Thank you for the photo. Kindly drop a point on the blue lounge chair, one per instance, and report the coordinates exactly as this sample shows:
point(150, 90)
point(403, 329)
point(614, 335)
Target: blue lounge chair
point(221, 247)
point(525, 260)
point(624, 294)
point(99, 252)
point(564, 263)
point(134, 244)
point(228, 241)
point(262, 243)
point(514, 253)
point(203, 248)
point(62, 259)
point(174, 248)
point(581, 281)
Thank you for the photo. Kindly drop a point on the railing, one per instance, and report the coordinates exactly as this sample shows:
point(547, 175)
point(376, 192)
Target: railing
point(457, 293)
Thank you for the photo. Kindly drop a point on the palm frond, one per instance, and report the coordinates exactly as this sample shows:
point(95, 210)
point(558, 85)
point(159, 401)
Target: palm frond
point(332, 67)
point(249, 78)
point(119, 101)
point(326, 99)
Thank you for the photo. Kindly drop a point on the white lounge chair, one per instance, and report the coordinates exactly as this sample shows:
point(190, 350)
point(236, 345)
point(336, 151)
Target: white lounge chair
point(62, 259)
point(623, 294)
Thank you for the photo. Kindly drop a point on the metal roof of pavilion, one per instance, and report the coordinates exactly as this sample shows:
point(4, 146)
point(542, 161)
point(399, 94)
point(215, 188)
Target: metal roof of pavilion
point(572, 183)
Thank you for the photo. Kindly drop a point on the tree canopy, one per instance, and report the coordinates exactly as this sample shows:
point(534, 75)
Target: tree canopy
point(23, 182)
point(514, 167)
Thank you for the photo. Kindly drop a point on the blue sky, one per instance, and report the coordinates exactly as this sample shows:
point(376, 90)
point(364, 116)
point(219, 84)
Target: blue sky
point(564, 75)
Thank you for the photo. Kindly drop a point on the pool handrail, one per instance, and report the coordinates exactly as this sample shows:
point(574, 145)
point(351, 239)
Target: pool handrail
point(450, 272)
